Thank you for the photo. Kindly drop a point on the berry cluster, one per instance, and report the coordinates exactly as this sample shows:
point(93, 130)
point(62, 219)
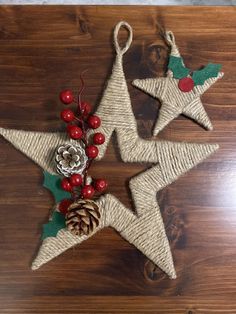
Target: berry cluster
point(79, 122)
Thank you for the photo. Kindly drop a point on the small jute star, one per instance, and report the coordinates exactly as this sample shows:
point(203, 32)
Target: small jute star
point(180, 91)
point(144, 228)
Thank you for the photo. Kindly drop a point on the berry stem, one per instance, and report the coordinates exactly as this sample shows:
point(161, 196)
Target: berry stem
point(81, 91)
point(86, 171)
point(73, 195)
point(80, 119)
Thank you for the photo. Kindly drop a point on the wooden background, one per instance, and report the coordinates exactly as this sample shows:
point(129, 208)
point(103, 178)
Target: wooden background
point(43, 50)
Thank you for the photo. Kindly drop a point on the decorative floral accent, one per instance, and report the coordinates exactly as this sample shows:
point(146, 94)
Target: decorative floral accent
point(53, 184)
point(70, 159)
point(73, 161)
point(176, 65)
point(56, 223)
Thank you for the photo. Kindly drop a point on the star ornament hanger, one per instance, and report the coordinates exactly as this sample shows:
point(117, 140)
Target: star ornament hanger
point(144, 228)
point(180, 91)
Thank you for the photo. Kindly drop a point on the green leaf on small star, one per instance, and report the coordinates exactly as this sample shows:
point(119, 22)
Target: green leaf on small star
point(176, 65)
point(53, 184)
point(209, 71)
point(54, 225)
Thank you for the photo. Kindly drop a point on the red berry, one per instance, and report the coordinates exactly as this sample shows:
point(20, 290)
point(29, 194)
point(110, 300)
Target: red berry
point(64, 204)
point(68, 127)
point(75, 132)
point(186, 84)
point(85, 108)
point(100, 185)
point(94, 122)
point(67, 115)
point(76, 179)
point(91, 151)
point(87, 191)
point(66, 96)
point(65, 184)
point(98, 138)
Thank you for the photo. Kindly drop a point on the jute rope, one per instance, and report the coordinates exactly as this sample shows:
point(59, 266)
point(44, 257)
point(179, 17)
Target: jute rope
point(145, 228)
point(170, 38)
point(120, 51)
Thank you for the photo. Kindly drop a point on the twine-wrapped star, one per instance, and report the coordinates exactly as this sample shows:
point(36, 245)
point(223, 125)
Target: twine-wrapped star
point(179, 92)
point(143, 228)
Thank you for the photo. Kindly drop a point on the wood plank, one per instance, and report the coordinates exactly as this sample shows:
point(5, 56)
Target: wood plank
point(44, 49)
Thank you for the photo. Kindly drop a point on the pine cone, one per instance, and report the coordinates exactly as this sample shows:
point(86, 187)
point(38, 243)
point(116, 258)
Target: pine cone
point(82, 217)
point(70, 158)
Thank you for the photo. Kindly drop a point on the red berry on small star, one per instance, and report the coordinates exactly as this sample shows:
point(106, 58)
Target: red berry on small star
point(65, 184)
point(75, 132)
point(67, 115)
point(98, 138)
point(91, 151)
point(85, 108)
point(76, 179)
point(186, 84)
point(94, 122)
point(66, 96)
point(64, 204)
point(100, 185)
point(87, 191)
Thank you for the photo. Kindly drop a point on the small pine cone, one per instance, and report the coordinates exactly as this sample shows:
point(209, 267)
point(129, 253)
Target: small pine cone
point(70, 159)
point(82, 217)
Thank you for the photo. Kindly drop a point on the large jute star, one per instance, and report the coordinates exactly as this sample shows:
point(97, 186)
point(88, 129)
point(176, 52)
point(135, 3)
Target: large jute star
point(143, 228)
point(180, 91)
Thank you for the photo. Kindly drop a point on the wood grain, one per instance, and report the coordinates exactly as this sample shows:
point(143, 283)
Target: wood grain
point(44, 49)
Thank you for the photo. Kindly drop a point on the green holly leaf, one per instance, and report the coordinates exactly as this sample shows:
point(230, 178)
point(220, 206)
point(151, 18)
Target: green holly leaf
point(53, 183)
point(211, 70)
point(54, 225)
point(176, 65)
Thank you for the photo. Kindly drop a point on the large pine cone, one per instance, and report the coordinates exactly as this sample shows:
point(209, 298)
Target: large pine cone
point(82, 217)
